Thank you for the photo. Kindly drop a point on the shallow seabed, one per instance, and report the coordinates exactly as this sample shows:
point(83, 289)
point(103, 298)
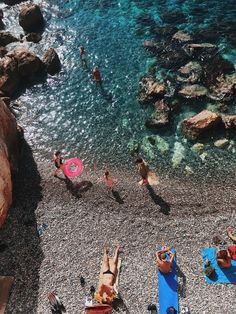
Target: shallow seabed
point(101, 125)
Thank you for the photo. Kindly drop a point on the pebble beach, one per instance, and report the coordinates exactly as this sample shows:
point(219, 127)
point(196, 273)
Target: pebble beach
point(82, 216)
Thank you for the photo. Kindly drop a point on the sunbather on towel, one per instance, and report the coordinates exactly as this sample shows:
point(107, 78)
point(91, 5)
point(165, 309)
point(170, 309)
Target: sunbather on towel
point(232, 248)
point(223, 258)
point(106, 291)
point(164, 264)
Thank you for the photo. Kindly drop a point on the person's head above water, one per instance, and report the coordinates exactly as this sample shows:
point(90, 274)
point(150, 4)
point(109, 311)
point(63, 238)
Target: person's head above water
point(139, 161)
point(107, 173)
point(96, 68)
point(57, 153)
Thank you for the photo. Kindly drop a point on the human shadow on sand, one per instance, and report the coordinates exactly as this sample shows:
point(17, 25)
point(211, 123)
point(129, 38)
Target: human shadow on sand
point(158, 200)
point(182, 284)
point(22, 256)
point(117, 197)
point(76, 189)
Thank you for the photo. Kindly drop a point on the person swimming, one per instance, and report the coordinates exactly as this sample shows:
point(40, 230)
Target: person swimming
point(82, 56)
point(97, 75)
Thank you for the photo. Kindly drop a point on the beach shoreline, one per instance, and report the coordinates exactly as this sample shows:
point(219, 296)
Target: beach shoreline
point(180, 213)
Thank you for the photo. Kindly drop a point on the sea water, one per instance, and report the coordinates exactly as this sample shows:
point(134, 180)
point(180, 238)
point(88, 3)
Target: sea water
point(103, 125)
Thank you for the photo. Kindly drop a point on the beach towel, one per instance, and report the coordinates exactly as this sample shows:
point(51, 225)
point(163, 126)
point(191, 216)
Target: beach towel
point(5, 286)
point(168, 288)
point(223, 275)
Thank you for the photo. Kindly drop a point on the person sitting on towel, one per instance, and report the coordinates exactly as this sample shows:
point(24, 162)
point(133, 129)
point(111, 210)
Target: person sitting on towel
point(232, 248)
point(106, 292)
point(164, 264)
point(223, 258)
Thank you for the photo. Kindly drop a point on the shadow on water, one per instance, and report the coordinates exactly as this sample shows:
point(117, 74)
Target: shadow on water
point(158, 200)
point(22, 255)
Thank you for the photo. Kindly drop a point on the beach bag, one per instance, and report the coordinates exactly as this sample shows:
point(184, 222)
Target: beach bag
point(232, 251)
point(209, 270)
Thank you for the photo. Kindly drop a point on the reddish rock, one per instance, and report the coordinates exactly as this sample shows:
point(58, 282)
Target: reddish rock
point(52, 61)
point(194, 127)
point(150, 90)
point(9, 79)
point(9, 150)
point(160, 118)
point(31, 17)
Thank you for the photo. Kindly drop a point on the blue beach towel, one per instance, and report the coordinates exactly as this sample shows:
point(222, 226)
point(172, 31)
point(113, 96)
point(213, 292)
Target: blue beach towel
point(223, 275)
point(167, 286)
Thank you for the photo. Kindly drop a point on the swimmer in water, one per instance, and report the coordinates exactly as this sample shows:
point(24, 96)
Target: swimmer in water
point(97, 75)
point(82, 56)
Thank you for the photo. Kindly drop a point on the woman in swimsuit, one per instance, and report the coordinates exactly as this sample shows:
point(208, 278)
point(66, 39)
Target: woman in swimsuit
point(58, 162)
point(108, 181)
point(143, 170)
point(106, 292)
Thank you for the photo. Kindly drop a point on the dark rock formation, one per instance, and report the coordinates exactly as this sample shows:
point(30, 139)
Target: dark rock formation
point(52, 61)
point(204, 121)
point(201, 51)
point(193, 91)
point(9, 79)
point(29, 66)
point(190, 73)
point(6, 38)
point(151, 46)
point(150, 90)
point(3, 52)
point(9, 153)
point(229, 122)
point(13, 2)
point(181, 37)
point(33, 37)
point(160, 117)
point(31, 17)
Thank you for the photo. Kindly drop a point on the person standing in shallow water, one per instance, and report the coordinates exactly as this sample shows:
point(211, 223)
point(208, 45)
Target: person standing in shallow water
point(58, 162)
point(97, 75)
point(82, 56)
point(143, 170)
point(108, 181)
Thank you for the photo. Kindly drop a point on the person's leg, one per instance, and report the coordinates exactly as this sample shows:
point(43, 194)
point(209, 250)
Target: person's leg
point(105, 262)
point(114, 261)
point(55, 172)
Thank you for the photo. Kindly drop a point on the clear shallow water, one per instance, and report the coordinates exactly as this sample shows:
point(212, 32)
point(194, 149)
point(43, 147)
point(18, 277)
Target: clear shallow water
point(71, 113)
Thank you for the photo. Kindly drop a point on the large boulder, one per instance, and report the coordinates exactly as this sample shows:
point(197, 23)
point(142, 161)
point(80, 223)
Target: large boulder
point(160, 118)
point(52, 61)
point(190, 73)
point(31, 18)
point(150, 90)
point(33, 37)
point(181, 37)
point(6, 38)
point(30, 67)
point(9, 76)
point(204, 121)
point(193, 91)
point(201, 51)
point(9, 151)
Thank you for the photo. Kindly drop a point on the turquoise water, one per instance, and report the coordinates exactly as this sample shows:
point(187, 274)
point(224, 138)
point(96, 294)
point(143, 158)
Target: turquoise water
point(71, 113)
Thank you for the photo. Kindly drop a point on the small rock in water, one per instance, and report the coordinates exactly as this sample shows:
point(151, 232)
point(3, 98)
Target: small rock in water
point(198, 148)
point(221, 143)
point(203, 156)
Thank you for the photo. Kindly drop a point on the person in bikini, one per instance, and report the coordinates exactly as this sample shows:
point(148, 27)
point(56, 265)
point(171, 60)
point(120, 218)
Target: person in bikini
point(164, 264)
point(143, 170)
point(58, 162)
point(108, 181)
point(232, 247)
point(106, 292)
point(223, 258)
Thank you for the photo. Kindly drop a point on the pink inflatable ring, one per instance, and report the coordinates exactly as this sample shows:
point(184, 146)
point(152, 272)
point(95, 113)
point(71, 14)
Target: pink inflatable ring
point(73, 167)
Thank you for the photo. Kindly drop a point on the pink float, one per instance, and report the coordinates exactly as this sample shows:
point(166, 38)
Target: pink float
point(73, 167)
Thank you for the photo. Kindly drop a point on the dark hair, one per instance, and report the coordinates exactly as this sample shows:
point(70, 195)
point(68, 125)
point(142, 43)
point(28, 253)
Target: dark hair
point(163, 255)
point(107, 173)
point(171, 310)
point(223, 254)
point(57, 153)
point(139, 161)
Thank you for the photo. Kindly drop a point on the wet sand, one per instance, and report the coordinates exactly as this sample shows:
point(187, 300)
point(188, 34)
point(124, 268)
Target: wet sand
point(182, 213)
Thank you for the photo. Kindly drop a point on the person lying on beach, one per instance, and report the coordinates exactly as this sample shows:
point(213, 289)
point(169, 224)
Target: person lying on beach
point(58, 162)
point(223, 258)
point(232, 248)
point(143, 170)
point(108, 181)
point(106, 292)
point(164, 264)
